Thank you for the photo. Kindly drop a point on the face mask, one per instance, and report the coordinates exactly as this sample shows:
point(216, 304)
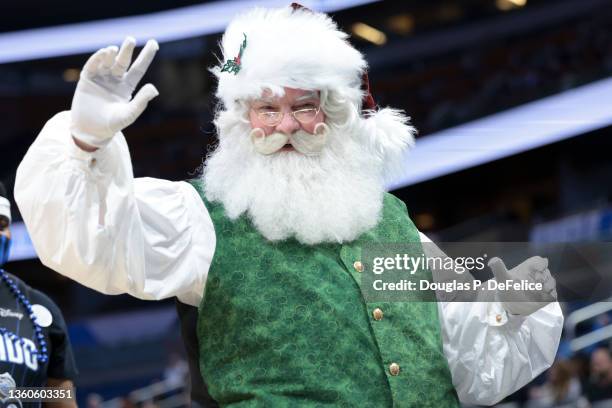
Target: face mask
point(5, 246)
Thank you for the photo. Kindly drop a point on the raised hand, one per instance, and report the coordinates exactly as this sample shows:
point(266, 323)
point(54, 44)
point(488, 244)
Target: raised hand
point(532, 270)
point(103, 103)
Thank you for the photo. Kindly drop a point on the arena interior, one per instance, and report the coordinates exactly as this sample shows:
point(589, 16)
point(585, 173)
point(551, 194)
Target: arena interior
point(511, 99)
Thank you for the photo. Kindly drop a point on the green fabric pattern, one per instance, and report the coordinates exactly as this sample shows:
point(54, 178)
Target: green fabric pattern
point(284, 324)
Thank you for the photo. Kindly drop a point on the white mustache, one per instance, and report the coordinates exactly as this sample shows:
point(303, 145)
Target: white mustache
point(309, 144)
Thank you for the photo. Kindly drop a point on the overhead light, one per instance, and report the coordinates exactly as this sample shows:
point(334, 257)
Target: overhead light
point(402, 24)
point(369, 33)
point(71, 75)
point(506, 5)
point(425, 221)
point(449, 12)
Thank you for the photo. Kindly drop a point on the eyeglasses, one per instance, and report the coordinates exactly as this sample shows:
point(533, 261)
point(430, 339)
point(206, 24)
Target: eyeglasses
point(272, 117)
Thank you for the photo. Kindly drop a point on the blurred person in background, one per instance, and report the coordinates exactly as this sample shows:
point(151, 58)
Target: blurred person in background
point(35, 350)
point(176, 371)
point(268, 241)
point(93, 400)
point(562, 388)
point(599, 385)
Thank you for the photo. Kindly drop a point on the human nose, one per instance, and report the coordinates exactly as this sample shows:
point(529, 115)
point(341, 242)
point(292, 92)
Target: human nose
point(288, 124)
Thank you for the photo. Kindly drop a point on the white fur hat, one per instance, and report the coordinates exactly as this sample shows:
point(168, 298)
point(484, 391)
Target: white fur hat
point(297, 48)
point(287, 47)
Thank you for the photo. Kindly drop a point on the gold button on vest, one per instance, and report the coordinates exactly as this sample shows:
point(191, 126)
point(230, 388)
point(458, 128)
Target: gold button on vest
point(394, 369)
point(377, 314)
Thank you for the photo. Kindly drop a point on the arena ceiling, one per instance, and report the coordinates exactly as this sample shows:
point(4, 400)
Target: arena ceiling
point(27, 14)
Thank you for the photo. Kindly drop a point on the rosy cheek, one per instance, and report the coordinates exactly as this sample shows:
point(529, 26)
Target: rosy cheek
point(255, 122)
point(311, 126)
point(321, 116)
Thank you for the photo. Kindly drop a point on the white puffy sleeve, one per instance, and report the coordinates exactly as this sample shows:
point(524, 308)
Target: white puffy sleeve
point(491, 353)
point(90, 220)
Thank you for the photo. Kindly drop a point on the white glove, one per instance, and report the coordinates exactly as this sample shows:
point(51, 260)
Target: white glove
point(102, 103)
point(525, 302)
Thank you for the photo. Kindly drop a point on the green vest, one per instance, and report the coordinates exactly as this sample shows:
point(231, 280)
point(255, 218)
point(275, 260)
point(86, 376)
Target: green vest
point(284, 324)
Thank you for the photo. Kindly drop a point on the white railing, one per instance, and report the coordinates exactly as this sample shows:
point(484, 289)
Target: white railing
point(583, 314)
point(163, 394)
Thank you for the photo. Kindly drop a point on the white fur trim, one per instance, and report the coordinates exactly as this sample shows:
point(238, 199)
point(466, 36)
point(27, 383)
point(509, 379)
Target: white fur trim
point(5, 208)
point(390, 134)
point(288, 48)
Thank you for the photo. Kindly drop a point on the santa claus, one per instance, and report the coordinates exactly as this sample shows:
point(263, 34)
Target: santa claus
point(267, 242)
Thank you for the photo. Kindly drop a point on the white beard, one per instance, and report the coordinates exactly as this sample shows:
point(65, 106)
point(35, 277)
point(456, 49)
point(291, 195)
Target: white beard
point(333, 197)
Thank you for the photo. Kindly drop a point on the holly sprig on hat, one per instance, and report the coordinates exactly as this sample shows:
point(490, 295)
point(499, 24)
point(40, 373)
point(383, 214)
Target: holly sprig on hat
point(233, 66)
